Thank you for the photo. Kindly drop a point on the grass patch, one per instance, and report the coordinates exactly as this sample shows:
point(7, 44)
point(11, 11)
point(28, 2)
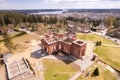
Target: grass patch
point(110, 55)
point(57, 70)
point(95, 37)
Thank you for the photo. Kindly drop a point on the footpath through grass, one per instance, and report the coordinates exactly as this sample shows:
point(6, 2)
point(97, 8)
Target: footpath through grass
point(95, 37)
point(104, 74)
point(57, 70)
point(108, 54)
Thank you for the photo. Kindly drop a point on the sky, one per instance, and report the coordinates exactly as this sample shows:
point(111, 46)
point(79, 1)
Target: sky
point(59, 4)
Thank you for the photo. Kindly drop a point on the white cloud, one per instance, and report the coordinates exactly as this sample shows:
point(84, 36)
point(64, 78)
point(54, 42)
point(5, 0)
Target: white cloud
point(57, 1)
point(4, 4)
point(60, 4)
point(72, 0)
point(1, 0)
point(85, 3)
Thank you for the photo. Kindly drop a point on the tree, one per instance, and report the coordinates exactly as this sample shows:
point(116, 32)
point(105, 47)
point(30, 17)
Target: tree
point(100, 43)
point(96, 23)
point(109, 21)
point(39, 19)
point(96, 72)
point(117, 23)
point(7, 40)
point(97, 43)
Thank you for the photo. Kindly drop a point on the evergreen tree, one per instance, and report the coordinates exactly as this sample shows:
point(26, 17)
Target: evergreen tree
point(100, 43)
point(96, 72)
point(97, 43)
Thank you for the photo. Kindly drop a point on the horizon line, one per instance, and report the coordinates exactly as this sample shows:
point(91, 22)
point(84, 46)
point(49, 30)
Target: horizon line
point(61, 9)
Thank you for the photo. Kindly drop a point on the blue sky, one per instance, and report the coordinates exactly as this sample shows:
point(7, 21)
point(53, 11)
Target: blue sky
point(59, 4)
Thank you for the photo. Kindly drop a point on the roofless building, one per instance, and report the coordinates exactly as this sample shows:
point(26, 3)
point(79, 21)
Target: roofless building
point(64, 42)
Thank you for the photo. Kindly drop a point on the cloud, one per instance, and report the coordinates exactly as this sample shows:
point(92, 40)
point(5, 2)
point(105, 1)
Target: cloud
point(59, 4)
point(72, 0)
point(85, 3)
point(5, 4)
point(1, 0)
point(57, 1)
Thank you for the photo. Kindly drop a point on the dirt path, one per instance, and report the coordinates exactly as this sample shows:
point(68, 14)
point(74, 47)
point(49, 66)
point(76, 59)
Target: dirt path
point(86, 60)
point(112, 45)
point(3, 74)
point(76, 76)
point(89, 49)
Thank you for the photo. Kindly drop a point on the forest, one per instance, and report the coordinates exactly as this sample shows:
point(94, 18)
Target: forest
point(15, 18)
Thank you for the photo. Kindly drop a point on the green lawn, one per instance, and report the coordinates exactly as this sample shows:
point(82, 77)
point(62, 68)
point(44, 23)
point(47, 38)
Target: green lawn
point(104, 74)
point(95, 37)
point(58, 70)
point(110, 55)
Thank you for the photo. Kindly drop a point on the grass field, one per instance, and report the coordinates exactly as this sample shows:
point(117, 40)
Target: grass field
point(110, 55)
point(26, 38)
point(104, 74)
point(58, 70)
point(95, 37)
point(11, 35)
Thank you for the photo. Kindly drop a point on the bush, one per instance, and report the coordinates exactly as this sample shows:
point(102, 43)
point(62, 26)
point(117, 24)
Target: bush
point(16, 30)
point(93, 29)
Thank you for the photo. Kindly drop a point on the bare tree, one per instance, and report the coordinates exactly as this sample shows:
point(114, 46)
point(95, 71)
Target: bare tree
point(7, 40)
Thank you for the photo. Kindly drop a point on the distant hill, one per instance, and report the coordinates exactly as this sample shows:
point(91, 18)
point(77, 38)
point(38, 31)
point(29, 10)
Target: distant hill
point(68, 10)
point(34, 10)
point(94, 10)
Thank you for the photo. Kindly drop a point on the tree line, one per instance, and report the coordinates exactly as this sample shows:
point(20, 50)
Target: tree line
point(15, 18)
point(108, 21)
point(85, 20)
